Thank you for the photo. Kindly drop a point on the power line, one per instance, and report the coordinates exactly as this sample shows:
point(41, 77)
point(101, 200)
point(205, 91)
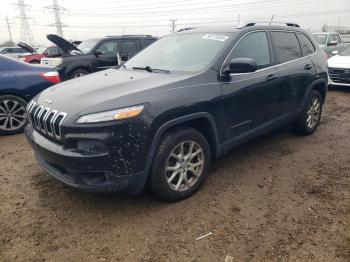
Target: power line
point(195, 10)
point(26, 32)
point(57, 10)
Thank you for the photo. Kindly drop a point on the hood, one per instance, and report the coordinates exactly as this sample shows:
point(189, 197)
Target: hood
point(339, 61)
point(62, 43)
point(107, 90)
point(28, 48)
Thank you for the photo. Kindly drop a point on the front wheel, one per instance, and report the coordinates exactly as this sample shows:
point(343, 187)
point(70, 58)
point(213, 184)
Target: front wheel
point(181, 164)
point(13, 116)
point(78, 73)
point(310, 117)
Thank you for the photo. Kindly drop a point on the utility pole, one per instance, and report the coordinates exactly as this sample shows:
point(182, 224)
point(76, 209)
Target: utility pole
point(8, 27)
point(172, 25)
point(239, 20)
point(272, 17)
point(26, 32)
point(57, 10)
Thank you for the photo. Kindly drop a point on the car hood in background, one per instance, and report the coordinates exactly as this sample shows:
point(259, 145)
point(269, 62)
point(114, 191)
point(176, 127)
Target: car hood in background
point(62, 43)
point(338, 61)
point(28, 48)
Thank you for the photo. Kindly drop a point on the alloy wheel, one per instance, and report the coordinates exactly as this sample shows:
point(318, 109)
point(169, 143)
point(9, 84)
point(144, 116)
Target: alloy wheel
point(184, 165)
point(12, 115)
point(313, 112)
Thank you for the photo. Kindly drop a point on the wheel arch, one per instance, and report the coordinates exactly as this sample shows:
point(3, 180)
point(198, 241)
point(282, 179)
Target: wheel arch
point(201, 121)
point(321, 86)
point(75, 67)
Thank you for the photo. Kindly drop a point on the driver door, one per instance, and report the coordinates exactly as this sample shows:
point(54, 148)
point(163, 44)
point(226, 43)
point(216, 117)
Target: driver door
point(250, 100)
point(107, 54)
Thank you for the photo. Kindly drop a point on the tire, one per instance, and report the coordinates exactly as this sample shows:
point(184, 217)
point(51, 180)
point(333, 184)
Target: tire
point(13, 116)
point(171, 143)
point(78, 73)
point(309, 119)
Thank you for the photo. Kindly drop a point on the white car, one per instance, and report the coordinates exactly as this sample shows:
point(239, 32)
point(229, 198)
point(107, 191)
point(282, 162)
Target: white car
point(339, 68)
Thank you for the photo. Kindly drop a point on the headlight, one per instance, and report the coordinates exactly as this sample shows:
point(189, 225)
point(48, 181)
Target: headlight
point(118, 114)
point(56, 61)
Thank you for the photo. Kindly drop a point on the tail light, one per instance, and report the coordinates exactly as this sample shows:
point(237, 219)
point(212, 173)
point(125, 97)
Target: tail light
point(52, 77)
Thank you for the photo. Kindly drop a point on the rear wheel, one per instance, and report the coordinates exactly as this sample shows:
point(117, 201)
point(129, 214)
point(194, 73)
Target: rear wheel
point(310, 117)
point(181, 164)
point(78, 73)
point(13, 116)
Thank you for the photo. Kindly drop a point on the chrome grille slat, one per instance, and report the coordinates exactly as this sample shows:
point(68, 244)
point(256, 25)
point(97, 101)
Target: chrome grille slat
point(46, 120)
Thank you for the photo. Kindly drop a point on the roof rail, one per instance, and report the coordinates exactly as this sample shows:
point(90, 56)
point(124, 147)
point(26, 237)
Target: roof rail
point(291, 24)
point(137, 36)
point(129, 36)
point(185, 29)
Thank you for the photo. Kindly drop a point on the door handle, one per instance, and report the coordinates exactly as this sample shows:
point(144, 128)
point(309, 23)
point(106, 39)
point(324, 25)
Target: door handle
point(271, 77)
point(308, 67)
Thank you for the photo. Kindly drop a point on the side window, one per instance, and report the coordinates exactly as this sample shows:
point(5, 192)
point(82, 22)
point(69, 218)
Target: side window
point(254, 46)
point(286, 46)
point(147, 42)
point(109, 47)
point(306, 45)
point(337, 38)
point(128, 46)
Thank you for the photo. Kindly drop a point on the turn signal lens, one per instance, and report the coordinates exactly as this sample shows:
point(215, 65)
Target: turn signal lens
point(118, 114)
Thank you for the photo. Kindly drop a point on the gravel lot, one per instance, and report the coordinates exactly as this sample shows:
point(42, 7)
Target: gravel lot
point(279, 198)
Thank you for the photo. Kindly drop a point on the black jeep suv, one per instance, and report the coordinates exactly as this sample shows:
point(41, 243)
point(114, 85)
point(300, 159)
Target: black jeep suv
point(161, 118)
point(95, 54)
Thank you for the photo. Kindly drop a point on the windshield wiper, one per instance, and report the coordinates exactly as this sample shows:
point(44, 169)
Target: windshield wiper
point(150, 69)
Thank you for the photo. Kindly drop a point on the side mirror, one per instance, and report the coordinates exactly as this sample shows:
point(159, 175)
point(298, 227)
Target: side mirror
point(335, 52)
point(241, 65)
point(98, 52)
point(332, 43)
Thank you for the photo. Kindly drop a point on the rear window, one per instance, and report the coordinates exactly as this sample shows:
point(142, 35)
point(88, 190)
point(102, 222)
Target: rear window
point(306, 45)
point(286, 45)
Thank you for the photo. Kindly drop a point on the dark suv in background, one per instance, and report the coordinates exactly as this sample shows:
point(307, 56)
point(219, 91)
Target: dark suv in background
point(95, 54)
point(164, 115)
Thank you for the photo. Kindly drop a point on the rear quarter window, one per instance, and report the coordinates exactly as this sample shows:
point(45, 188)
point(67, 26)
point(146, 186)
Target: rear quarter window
point(286, 46)
point(306, 45)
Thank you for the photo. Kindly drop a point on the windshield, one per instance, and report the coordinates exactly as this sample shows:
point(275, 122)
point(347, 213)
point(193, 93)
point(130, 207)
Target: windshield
point(321, 38)
point(346, 51)
point(87, 45)
point(40, 49)
point(186, 52)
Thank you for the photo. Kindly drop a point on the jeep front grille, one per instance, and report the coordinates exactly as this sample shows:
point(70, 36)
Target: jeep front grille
point(45, 120)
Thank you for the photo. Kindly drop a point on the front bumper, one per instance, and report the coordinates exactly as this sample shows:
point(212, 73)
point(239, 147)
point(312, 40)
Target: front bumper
point(87, 173)
point(330, 82)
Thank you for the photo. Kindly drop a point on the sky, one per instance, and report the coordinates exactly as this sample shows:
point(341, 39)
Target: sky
point(85, 19)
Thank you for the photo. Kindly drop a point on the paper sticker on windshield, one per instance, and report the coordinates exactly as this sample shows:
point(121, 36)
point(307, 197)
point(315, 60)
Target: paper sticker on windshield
point(220, 38)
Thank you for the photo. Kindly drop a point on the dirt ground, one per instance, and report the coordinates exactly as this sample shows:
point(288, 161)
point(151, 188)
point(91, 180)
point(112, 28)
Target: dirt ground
point(278, 198)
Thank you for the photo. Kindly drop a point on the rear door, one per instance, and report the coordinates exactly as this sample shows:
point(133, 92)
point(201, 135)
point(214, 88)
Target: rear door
point(295, 69)
point(108, 56)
